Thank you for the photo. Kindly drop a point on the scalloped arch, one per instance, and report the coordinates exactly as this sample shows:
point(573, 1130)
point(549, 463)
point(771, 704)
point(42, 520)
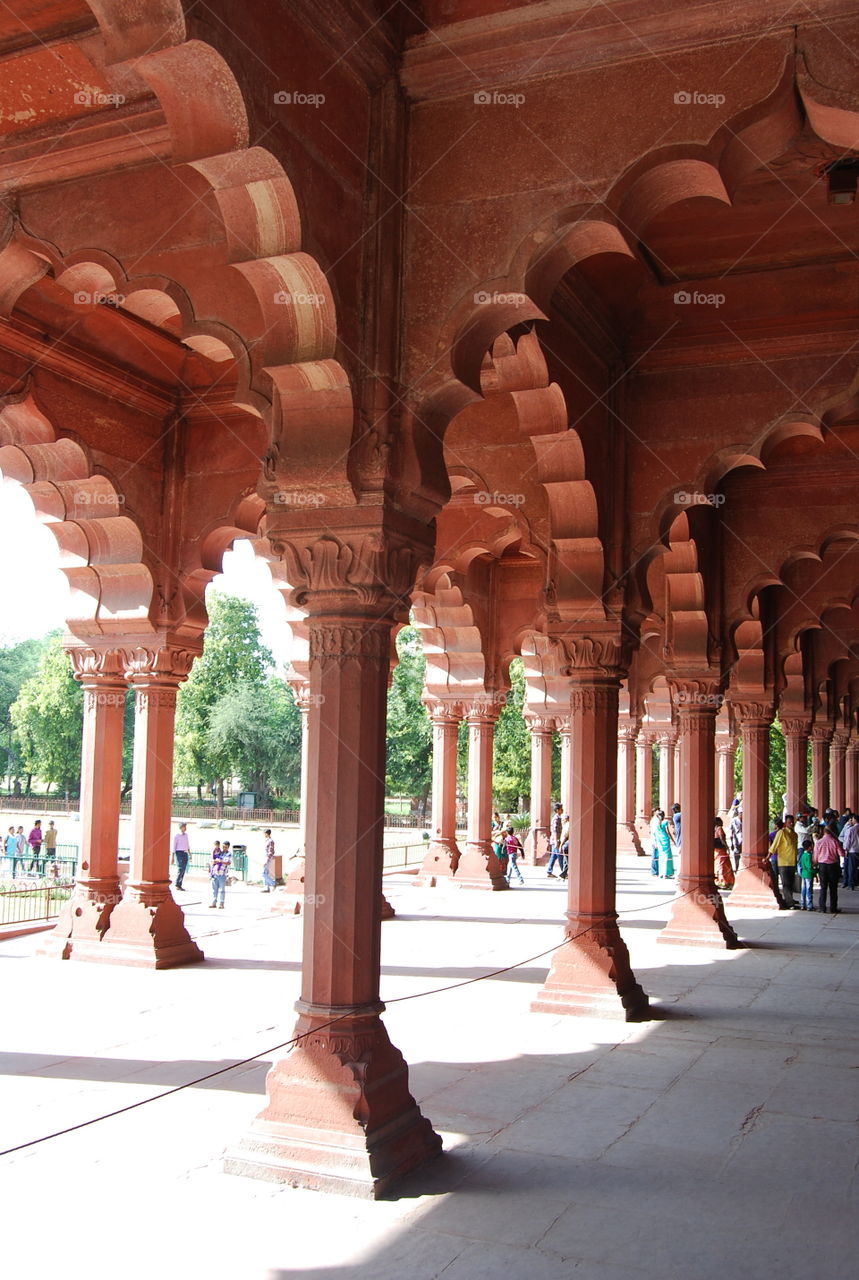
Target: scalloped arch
point(100, 549)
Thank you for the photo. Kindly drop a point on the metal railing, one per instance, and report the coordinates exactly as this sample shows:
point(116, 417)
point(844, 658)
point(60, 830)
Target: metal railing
point(31, 901)
point(204, 812)
point(404, 855)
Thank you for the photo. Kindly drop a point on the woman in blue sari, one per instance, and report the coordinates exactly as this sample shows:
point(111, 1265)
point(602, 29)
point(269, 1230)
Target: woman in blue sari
point(664, 841)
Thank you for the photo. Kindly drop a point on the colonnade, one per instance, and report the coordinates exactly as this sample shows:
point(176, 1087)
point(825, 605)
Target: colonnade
point(344, 1080)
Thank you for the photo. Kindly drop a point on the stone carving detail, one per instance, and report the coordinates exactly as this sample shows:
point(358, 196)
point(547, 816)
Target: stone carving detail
point(167, 662)
point(370, 569)
point(540, 724)
point(593, 653)
point(95, 664)
point(697, 720)
point(695, 694)
point(442, 713)
point(793, 728)
point(108, 696)
point(156, 699)
point(744, 712)
point(343, 642)
point(593, 700)
point(821, 733)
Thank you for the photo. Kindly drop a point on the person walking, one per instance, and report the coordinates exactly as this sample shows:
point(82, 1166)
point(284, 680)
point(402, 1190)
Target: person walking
point(513, 848)
point(665, 843)
point(51, 846)
point(826, 857)
point(850, 844)
point(181, 853)
point(784, 852)
point(565, 847)
point(724, 872)
point(656, 820)
point(10, 849)
point(268, 866)
point(34, 840)
point(20, 851)
point(806, 875)
point(555, 828)
point(219, 869)
point(735, 836)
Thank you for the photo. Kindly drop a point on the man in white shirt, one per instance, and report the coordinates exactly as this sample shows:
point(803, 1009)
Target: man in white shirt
point(181, 851)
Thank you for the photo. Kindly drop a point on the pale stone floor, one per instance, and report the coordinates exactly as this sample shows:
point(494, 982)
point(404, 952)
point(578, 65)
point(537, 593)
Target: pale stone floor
point(722, 1138)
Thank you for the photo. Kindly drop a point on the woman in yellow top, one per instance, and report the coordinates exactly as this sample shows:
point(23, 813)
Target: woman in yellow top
point(784, 849)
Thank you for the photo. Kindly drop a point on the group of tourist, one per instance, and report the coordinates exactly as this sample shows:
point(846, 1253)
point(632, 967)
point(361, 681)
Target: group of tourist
point(823, 849)
point(664, 842)
point(19, 848)
point(220, 864)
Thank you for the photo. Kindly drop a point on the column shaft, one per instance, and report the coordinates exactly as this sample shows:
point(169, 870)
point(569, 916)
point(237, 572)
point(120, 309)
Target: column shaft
point(537, 843)
point(478, 866)
point(147, 927)
point(666, 772)
point(627, 837)
point(340, 1114)
point(697, 916)
point(442, 856)
point(821, 736)
point(591, 973)
point(796, 760)
point(754, 884)
point(837, 780)
point(84, 918)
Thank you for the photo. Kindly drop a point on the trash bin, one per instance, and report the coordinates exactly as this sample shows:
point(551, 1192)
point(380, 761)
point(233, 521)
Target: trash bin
point(240, 861)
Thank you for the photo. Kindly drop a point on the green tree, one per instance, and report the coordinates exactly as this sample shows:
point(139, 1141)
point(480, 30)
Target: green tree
point(511, 776)
point(47, 717)
point(233, 655)
point(18, 663)
point(256, 731)
point(409, 760)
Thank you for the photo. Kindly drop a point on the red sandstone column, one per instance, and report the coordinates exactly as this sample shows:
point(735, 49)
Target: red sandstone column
point(591, 973)
point(837, 754)
point(478, 866)
point(147, 927)
point(666, 770)
point(726, 751)
point(796, 751)
point(627, 837)
point(821, 736)
point(442, 856)
point(643, 787)
point(84, 918)
point(339, 1113)
point(754, 887)
point(537, 842)
point(851, 772)
point(697, 915)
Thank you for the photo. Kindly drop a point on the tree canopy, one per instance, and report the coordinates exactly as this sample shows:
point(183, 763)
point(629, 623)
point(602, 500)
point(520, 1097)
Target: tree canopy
point(233, 656)
point(409, 761)
point(47, 717)
point(255, 731)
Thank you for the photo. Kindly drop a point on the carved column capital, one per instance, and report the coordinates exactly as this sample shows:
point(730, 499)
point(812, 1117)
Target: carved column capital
point(752, 711)
point(695, 694)
point(483, 710)
point(840, 741)
point(593, 656)
point(666, 737)
point(363, 571)
point(93, 666)
point(795, 727)
point(441, 711)
point(628, 730)
point(157, 664)
point(821, 733)
point(538, 724)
